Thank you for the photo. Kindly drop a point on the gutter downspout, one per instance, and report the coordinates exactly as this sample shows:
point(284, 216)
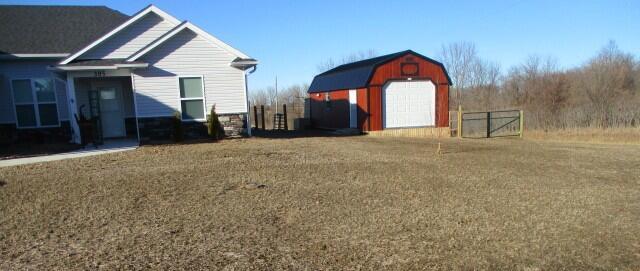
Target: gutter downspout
point(246, 94)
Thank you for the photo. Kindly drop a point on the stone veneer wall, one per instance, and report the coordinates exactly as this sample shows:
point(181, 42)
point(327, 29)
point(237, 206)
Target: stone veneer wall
point(234, 124)
point(9, 133)
point(161, 128)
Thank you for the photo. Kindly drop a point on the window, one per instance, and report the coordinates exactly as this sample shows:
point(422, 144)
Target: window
point(35, 103)
point(191, 98)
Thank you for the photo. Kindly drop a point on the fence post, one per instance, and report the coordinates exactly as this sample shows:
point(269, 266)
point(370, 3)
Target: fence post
point(284, 113)
point(488, 124)
point(521, 122)
point(459, 121)
point(262, 117)
point(255, 116)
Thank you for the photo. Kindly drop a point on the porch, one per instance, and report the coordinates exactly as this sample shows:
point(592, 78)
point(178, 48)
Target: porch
point(101, 100)
point(105, 109)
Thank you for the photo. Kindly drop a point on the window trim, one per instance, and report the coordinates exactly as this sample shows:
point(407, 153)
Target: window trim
point(204, 100)
point(35, 103)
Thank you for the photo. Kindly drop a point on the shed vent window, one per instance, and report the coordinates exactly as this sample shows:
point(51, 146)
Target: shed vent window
point(35, 103)
point(192, 98)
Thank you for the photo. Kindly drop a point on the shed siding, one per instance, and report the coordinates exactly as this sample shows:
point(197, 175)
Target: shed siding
point(332, 115)
point(442, 105)
point(392, 71)
point(21, 70)
point(187, 54)
point(363, 108)
point(131, 39)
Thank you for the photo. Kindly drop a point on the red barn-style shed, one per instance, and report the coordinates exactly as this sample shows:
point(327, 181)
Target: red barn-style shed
point(399, 90)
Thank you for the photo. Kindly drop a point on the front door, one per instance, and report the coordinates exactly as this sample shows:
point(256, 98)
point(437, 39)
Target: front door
point(111, 114)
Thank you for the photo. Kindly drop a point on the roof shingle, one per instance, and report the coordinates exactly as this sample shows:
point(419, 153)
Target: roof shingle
point(53, 29)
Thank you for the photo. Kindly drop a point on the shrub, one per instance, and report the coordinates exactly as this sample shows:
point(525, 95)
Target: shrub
point(178, 134)
point(215, 128)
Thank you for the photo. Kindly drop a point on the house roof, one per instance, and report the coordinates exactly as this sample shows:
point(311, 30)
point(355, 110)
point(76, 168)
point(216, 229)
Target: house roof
point(357, 74)
point(130, 20)
point(140, 14)
point(53, 29)
point(100, 64)
point(177, 29)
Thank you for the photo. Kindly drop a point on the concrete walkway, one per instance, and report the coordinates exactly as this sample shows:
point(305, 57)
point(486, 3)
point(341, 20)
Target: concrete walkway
point(109, 146)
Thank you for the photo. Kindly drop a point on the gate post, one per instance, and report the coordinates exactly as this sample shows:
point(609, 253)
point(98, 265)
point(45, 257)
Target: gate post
point(284, 113)
point(255, 114)
point(262, 116)
point(488, 124)
point(521, 122)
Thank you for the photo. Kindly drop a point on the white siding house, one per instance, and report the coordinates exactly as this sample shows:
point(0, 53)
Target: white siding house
point(132, 80)
point(187, 54)
point(132, 38)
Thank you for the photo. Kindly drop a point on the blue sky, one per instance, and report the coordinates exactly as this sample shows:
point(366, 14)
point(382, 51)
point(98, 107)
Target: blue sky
point(290, 38)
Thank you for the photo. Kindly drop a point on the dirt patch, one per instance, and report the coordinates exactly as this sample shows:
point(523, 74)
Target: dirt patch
point(328, 203)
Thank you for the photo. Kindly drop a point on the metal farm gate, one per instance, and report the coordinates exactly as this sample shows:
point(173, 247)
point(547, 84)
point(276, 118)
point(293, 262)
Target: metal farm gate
point(487, 124)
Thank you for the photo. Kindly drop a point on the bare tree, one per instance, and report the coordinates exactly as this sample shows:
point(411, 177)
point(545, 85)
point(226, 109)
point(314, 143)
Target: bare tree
point(459, 58)
point(258, 97)
point(539, 87)
point(608, 78)
point(485, 80)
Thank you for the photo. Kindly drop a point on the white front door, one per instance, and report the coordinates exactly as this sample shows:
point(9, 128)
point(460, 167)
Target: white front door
point(111, 114)
point(409, 104)
point(353, 108)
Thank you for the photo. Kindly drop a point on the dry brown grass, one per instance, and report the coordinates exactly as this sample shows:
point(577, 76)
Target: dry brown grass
point(329, 203)
point(629, 135)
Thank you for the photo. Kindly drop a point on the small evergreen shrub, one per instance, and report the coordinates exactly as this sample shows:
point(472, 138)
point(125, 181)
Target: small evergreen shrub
point(178, 133)
point(215, 128)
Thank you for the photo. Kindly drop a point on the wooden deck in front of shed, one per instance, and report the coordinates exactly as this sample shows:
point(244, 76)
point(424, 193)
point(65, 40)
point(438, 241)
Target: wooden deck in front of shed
point(426, 132)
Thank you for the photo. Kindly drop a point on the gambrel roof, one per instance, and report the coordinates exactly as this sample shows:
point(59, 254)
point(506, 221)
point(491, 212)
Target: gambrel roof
point(357, 74)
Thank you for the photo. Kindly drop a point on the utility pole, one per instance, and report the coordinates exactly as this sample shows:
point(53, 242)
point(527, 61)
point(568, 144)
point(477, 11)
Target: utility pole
point(276, 94)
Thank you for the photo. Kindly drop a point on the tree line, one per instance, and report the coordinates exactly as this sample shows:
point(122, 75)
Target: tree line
point(603, 92)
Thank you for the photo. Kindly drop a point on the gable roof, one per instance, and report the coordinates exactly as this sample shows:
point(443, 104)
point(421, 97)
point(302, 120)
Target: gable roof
point(60, 30)
point(131, 20)
point(357, 74)
point(187, 25)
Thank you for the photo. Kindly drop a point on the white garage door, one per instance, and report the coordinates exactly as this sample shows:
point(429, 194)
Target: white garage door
point(409, 104)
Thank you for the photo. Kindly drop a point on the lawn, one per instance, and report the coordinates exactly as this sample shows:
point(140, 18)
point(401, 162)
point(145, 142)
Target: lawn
point(338, 203)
